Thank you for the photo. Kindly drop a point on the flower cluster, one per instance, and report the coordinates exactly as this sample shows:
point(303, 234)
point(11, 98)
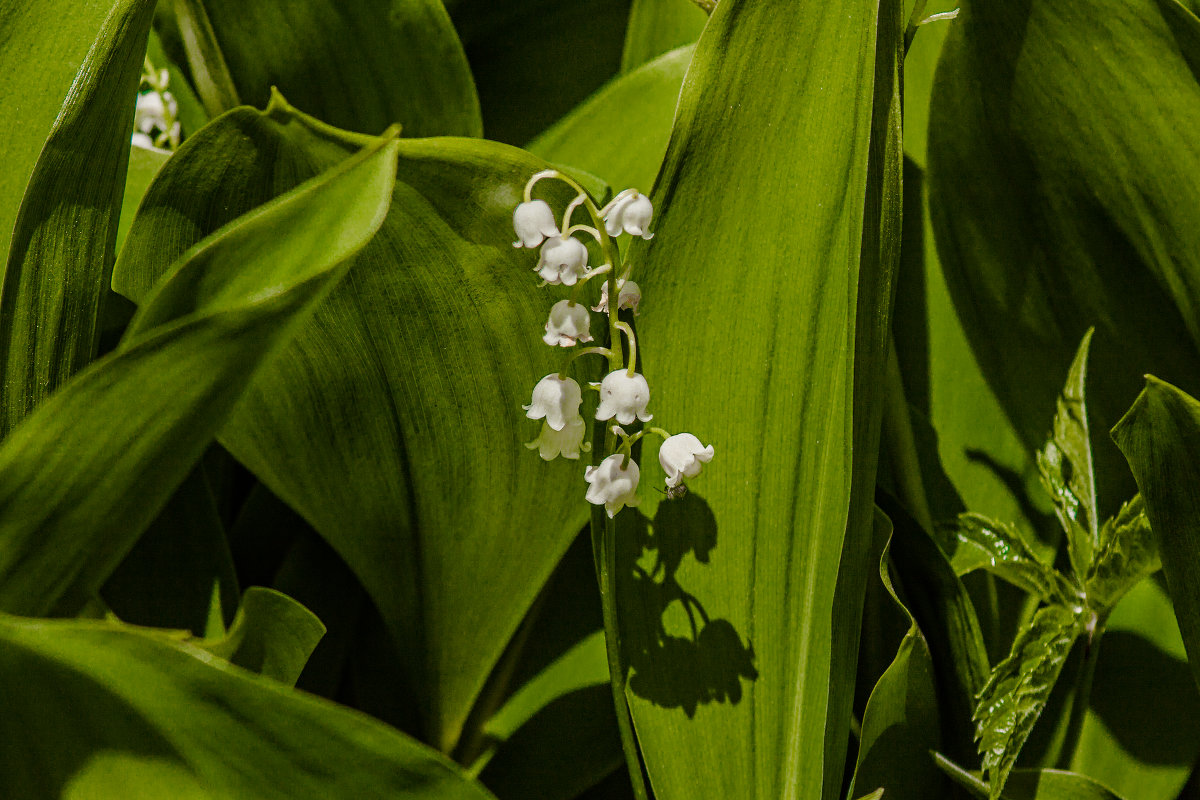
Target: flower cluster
point(154, 122)
point(624, 393)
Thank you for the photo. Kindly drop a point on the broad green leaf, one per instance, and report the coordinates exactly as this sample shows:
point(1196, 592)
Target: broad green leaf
point(900, 723)
point(1063, 195)
point(42, 47)
point(1160, 436)
point(83, 476)
point(169, 712)
point(1127, 554)
point(1141, 736)
point(357, 64)
point(1065, 464)
point(170, 577)
point(61, 253)
point(393, 422)
point(192, 116)
point(775, 240)
point(919, 64)
point(535, 60)
point(641, 105)
point(115, 774)
point(1032, 784)
point(1019, 687)
point(658, 26)
point(981, 543)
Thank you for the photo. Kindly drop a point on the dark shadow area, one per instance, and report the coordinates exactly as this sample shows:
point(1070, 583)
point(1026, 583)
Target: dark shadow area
point(1046, 526)
point(708, 662)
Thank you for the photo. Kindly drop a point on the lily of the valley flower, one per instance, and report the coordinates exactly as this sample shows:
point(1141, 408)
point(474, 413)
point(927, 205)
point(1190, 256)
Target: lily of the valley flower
point(682, 456)
point(150, 118)
point(557, 399)
point(567, 442)
point(567, 325)
point(630, 213)
point(624, 396)
point(629, 294)
point(612, 485)
point(563, 260)
point(533, 222)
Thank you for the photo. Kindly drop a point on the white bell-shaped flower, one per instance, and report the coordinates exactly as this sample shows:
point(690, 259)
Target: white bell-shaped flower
point(612, 486)
point(533, 222)
point(557, 399)
point(568, 324)
point(567, 442)
point(152, 109)
point(631, 214)
point(682, 456)
point(563, 260)
point(629, 294)
point(625, 397)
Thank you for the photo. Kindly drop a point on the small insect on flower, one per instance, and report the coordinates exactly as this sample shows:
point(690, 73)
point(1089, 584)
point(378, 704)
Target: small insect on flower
point(682, 456)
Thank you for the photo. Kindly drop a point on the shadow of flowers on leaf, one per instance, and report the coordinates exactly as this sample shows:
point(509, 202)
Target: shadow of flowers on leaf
point(678, 655)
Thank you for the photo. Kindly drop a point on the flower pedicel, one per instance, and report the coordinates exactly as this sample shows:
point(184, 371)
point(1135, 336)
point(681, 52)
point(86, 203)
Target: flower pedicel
point(624, 392)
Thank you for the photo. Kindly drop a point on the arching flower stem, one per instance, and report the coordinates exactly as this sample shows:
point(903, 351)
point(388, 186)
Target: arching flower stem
point(587, 351)
point(628, 331)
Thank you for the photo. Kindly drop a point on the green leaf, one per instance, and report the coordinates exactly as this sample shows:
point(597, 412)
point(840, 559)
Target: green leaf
point(1019, 687)
point(1127, 554)
point(1032, 784)
point(658, 26)
point(61, 253)
point(776, 240)
point(900, 724)
point(357, 64)
point(1141, 736)
point(981, 543)
point(144, 164)
point(1160, 436)
point(535, 60)
point(272, 635)
point(97, 700)
point(1065, 464)
point(1048, 225)
point(919, 64)
point(641, 105)
point(82, 477)
point(44, 46)
point(393, 422)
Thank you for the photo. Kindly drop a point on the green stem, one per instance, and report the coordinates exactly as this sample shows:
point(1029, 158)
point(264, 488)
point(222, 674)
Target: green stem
point(914, 22)
point(1083, 693)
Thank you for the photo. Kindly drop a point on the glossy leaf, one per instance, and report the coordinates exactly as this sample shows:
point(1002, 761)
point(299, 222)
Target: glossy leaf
point(1061, 192)
point(621, 132)
point(82, 478)
point(1127, 554)
point(981, 543)
point(97, 700)
point(900, 723)
point(782, 266)
point(393, 423)
point(1160, 436)
point(658, 26)
point(1018, 689)
point(1065, 464)
point(360, 65)
point(61, 253)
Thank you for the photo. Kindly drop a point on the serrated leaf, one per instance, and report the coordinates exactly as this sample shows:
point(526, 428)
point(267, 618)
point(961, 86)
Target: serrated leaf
point(61, 254)
point(1019, 687)
point(1127, 553)
point(981, 543)
point(1031, 784)
point(83, 476)
point(1065, 464)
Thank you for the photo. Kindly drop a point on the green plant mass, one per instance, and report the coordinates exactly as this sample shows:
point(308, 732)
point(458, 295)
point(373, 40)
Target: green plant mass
point(600, 400)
